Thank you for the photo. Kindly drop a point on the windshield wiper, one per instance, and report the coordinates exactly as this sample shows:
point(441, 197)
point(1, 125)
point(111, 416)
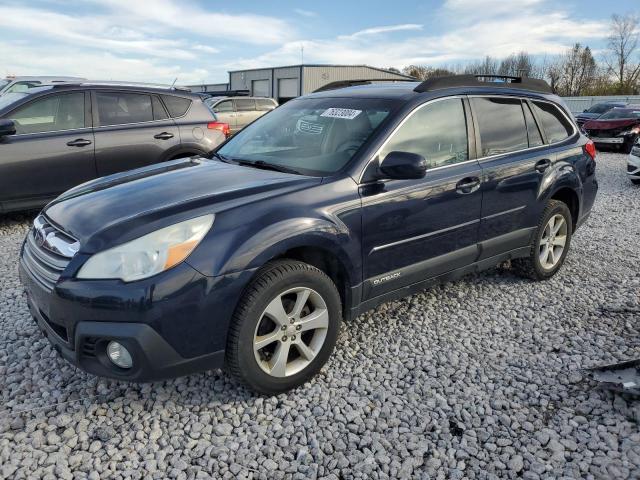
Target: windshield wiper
point(222, 158)
point(268, 166)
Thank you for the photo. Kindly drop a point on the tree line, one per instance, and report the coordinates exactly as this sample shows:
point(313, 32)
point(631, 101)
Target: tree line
point(576, 72)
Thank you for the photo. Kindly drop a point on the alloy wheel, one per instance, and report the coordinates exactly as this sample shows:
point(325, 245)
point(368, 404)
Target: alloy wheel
point(291, 332)
point(553, 241)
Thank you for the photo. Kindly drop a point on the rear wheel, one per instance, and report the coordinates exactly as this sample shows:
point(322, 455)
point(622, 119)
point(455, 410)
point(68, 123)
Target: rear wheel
point(284, 328)
point(550, 245)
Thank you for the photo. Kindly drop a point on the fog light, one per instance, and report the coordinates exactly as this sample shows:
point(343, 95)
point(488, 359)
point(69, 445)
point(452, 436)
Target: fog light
point(119, 355)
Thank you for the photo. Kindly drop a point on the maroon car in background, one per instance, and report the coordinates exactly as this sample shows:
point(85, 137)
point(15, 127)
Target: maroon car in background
point(618, 128)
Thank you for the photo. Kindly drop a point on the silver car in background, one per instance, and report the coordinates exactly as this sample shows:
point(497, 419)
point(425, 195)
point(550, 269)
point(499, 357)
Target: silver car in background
point(239, 112)
point(22, 84)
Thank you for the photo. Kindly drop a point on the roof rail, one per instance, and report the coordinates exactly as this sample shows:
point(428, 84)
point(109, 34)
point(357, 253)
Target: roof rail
point(500, 81)
point(354, 83)
point(108, 83)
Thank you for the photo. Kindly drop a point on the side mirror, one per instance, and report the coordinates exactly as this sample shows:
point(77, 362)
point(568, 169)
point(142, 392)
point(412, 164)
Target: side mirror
point(585, 110)
point(7, 127)
point(403, 166)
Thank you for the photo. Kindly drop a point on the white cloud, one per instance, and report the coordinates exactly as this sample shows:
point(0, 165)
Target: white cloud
point(305, 13)
point(473, 29)
point(379, 30)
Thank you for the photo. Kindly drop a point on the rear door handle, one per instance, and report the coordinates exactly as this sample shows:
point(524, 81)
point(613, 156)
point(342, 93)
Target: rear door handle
point(468, 185)
point(79, 142)
point(542, 165)
point(163, 136)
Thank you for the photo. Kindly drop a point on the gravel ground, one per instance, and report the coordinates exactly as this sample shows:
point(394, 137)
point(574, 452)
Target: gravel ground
point(480, 378)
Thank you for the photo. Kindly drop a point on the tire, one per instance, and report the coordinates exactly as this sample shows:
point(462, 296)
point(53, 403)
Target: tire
point(255, 346)
point(532, 266)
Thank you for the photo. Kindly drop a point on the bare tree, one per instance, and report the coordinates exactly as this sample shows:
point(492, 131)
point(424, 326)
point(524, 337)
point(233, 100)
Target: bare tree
point(422, 72)
point(623, 45)
point(578, 70)
point(517, 65)
point(488, 66)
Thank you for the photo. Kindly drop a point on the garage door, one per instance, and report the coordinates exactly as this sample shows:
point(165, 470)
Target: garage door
point(260, 88)
point(287, 87)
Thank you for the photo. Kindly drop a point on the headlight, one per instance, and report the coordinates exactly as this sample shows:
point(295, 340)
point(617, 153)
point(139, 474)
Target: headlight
point(148, 255)
point(632, 131)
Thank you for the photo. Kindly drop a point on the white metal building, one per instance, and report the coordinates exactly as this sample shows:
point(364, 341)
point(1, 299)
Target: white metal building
point(285, 83)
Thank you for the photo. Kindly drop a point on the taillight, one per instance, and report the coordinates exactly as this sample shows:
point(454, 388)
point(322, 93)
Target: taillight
point(223, 127)
point(590, 149)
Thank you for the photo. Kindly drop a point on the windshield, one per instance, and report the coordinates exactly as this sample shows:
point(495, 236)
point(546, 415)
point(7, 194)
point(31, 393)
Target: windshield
point(601, 108)
point(8, 98)
point(312, 136)
point(620, 113)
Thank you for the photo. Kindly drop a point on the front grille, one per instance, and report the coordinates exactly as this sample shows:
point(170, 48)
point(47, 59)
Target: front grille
point(47, 252)
point(631, 168)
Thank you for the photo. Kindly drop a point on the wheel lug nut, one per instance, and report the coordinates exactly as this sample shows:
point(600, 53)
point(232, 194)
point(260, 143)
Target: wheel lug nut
point(298, 327)
point(284, 327)
point(284, 339)
point(293, 337)
point(292, 320)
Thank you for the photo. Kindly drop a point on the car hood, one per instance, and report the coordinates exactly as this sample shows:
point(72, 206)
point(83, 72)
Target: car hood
point(120, 207)
point(610, 124)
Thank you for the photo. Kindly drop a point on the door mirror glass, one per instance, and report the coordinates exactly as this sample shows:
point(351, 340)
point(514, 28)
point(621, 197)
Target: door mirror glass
point(7, 127)
point(403, 166)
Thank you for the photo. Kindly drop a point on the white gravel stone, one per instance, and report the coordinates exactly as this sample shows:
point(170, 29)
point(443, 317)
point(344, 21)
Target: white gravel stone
point(478, 379)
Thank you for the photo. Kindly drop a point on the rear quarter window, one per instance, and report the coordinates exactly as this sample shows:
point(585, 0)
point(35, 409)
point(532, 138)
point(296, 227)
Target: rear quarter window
point(177, 106)
point(554, 123)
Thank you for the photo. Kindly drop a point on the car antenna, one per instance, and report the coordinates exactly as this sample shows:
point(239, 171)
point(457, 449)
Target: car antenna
point(173, 85)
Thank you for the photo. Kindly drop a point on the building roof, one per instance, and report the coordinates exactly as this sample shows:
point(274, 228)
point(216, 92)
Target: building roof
point(304, 65)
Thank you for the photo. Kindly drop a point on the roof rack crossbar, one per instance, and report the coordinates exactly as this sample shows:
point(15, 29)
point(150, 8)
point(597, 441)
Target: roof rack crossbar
point(354, 83)
point(456, 81)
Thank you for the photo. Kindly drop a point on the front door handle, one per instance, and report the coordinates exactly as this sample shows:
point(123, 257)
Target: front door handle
point(468, 185)
point(163, 136)
point(79, 142)
point(542, 165)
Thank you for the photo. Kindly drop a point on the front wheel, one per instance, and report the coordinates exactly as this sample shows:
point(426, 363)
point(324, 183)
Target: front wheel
point(550, 245)
point(284, 328)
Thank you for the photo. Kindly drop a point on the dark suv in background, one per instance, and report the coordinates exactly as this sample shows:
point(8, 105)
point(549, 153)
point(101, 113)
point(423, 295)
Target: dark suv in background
point(322, 209)
point(58, 136)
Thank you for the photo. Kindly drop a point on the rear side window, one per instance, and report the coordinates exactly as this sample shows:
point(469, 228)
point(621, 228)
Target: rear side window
point(118, 108)
point(265, 104)
point(50, 114)
point(535, 139)
point(159, 113)
point(177, 106)
point(555, 125)
point(245, 105)
point(437, 131)
point(501, 124)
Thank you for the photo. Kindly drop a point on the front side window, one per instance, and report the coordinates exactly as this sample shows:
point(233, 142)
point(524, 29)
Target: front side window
point(312, 136)
point(118, 108)
point(50, 114)
point(437, 131)
point(501, 125)
point(226, 106)
point(555, 125)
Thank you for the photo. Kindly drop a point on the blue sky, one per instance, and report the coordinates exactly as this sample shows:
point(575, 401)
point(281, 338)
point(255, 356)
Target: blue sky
point(198, 41)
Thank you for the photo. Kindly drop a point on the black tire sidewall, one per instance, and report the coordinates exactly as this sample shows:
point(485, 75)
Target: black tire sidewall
point(251, 372)
point(554, 209)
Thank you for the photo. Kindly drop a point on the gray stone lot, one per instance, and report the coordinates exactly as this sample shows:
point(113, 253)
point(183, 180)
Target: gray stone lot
point(480, 378)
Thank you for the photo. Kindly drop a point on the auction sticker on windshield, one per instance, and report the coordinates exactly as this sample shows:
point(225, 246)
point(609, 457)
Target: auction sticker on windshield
point(345, 113)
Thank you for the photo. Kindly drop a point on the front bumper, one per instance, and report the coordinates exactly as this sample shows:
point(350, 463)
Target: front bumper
point(173, 324)
point(633, 163)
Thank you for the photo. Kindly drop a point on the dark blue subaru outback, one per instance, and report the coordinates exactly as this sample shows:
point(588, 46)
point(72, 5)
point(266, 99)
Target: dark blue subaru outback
point(320, 210)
